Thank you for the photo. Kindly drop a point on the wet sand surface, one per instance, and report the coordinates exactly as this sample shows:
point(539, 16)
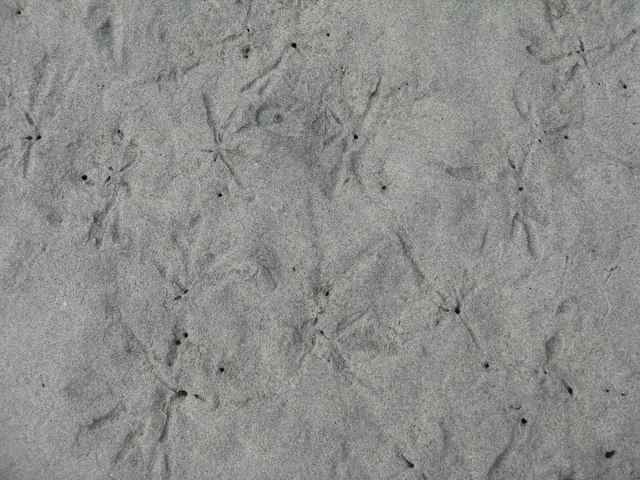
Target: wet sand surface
point(319, 239)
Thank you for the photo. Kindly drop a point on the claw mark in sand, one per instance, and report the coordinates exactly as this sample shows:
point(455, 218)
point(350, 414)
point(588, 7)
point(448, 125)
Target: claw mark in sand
point(100, 421)
point(220, 151)
point(127, 445)
point(208, 108)
point(611, 270)
point(497, 462)
point(166, 474)
point(31, 139)
point(99, 225)
point(262, 75)
point(406, 250)
point(407, 461)
point(518, 219)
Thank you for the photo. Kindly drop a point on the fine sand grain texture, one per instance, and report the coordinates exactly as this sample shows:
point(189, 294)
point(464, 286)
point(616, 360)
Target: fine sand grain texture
point(313, 239)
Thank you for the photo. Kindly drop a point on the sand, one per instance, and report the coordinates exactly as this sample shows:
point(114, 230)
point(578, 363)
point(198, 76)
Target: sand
point(319, 239)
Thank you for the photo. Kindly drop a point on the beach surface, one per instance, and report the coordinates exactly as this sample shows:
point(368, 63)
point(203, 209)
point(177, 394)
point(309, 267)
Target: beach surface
point(256, 240)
